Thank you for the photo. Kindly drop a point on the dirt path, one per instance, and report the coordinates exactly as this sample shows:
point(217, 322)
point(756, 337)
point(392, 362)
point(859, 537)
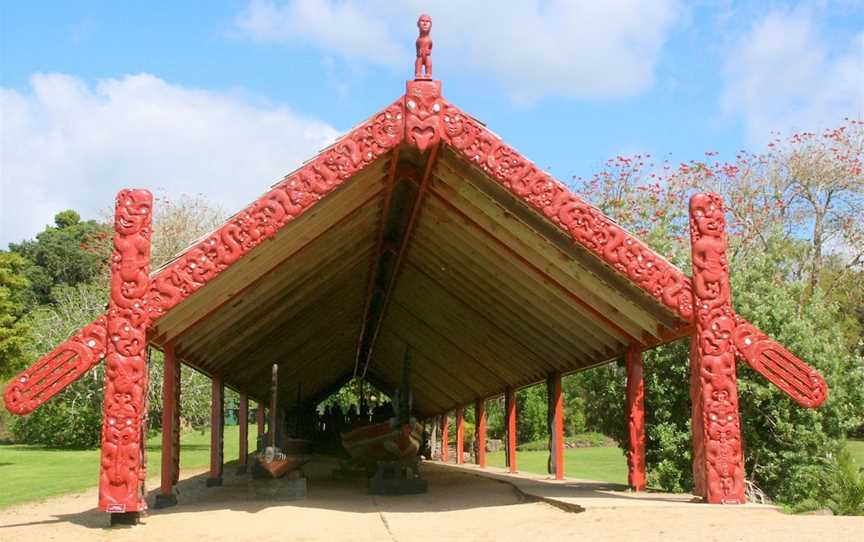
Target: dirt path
point(459, 506)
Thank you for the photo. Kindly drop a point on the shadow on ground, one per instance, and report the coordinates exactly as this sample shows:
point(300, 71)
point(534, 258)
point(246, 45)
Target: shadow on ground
point(449, 489)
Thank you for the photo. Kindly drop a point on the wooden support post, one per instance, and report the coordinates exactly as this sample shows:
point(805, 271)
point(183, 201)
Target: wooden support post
point(445, 445)
point(170, 382)
point(480, 430)
point(555, 417)
point(243, 421)
point(635, 419)
point(510, 424)
point(122, 468)
point(175, 433)
point(696, 432)
point(714, 355)
point(217, 427)
point(460, 436)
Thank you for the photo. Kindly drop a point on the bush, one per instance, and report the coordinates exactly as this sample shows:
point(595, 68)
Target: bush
point(839, 487)
point(73, 419)
point(785, 444)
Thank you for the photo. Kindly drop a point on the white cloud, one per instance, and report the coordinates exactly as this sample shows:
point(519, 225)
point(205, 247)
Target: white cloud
point(784, 75)
point(581, 49)
point(69, 145)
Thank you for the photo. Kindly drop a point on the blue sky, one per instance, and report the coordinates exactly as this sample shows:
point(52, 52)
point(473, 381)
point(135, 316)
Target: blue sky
point(224, 98)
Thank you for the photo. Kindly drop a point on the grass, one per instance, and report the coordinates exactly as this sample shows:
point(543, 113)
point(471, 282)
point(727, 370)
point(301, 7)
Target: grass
point(31, 473)
point(604, 463)
point(856, 447)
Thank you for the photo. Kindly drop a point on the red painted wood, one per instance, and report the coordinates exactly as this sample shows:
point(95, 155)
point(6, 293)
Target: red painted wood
point(445, 427)
point(203, 262)
point(720, 422)
point(169, 408)
point(510, 414)
point(697, 434)
point(557, 405)
point(243, 421)
point(122, 468)
point(460, 436)
point(635, 419)
point(217, 426)
point(480, 431)
point(429, 119)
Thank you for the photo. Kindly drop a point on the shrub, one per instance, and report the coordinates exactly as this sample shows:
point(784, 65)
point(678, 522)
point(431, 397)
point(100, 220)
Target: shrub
point(839, 487)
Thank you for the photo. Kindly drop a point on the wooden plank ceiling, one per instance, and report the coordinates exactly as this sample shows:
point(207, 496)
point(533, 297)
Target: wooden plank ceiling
point(420, 252)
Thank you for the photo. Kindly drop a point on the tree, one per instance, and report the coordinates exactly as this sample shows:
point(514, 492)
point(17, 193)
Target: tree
point(14, 287)
point(68, 261)
point(796, 261)
point(69, 253)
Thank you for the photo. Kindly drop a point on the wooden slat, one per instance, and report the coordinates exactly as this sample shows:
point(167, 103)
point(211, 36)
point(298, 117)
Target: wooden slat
point(533, 247)
point(263, 257)
point(447, 232)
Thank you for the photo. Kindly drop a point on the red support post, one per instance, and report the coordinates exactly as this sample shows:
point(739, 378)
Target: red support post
point(445, 427)
point(556, 425)
point(635, 419)
point(510, 423)
point(696, 432)
point(460, 436)
point(122, 468)
point(243, 421)
point(217, 427)
point(714, 354)
point(170, 383)
point(175, 428)
point(480, 430)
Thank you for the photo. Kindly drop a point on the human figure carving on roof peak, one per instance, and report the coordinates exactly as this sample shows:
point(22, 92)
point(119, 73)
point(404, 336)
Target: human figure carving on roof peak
point(424, 49)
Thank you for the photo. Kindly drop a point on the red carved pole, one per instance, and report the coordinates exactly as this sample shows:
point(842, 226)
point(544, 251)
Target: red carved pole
point(635, 419)
point(714, 353)
point(243, 421)
point(696, 430)
point(510, 423)
point(460, 436)
point(217, 428)
point(480, 431)
point(121, 479)
point(556, 426)
point(170, 383)
point(445, 427)
point(175, 427)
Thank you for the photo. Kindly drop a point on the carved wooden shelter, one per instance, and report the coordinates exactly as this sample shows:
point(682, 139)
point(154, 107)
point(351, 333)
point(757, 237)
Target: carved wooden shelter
point(419, 229)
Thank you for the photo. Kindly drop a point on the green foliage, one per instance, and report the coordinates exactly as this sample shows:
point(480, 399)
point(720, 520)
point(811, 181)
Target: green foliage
point(14, 333)
point(73, 419)
point(581, 440)
point(785, 443)
point(839, 487)
point(70, 253)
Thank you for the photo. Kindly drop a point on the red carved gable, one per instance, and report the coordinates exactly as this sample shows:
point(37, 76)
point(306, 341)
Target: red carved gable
point(421, 118)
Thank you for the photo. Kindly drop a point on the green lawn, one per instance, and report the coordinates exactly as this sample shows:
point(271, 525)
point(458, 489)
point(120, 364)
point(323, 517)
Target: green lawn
point(857, 449)
point(32, 472)
point(604, 464)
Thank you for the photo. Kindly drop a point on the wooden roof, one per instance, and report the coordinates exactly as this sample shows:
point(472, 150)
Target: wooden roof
point(419, 250)
point(419, 229)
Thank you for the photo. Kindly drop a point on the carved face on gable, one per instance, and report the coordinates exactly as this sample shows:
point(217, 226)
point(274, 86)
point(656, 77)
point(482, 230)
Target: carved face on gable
point(132, 211)
point(706, 211)
point(423, 105)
